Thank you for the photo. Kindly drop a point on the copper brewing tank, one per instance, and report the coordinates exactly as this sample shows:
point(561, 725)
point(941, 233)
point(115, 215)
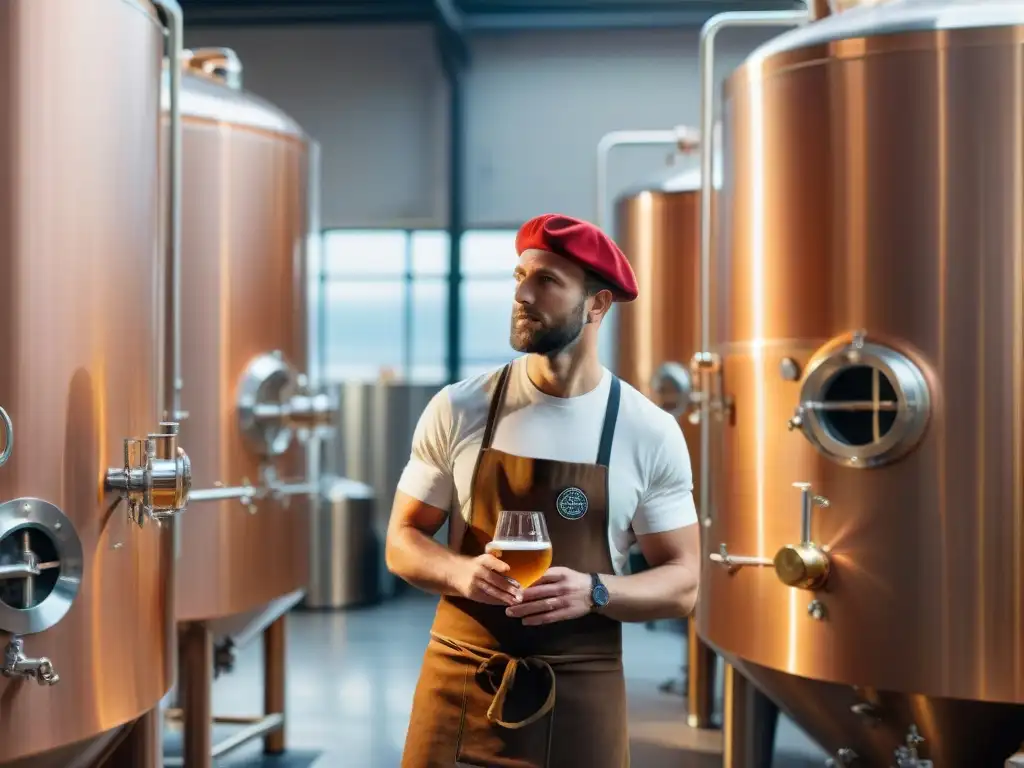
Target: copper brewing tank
point(657, 227)
point(84, 261)
point(867, 319)
point(246, 226)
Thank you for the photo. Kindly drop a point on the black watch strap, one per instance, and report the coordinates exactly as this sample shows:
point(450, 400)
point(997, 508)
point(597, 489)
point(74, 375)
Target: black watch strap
point(599, 596)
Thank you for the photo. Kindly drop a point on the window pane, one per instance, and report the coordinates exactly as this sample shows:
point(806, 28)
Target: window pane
point(486, 307)
point(429, 331)
point(364, 329)
point(430, 253)
point(489, 252)
point(376, 252)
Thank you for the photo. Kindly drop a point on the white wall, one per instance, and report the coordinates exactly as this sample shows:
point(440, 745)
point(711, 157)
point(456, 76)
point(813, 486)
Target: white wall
point(537, 104)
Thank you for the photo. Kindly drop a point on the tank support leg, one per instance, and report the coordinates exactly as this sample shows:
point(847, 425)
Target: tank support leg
point(195, 678)
point(274, 648)
point(142, 747)
point(750, 720)
point(700, 680)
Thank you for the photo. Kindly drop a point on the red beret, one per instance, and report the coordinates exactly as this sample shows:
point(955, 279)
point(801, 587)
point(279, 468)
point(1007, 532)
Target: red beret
point(582, 242)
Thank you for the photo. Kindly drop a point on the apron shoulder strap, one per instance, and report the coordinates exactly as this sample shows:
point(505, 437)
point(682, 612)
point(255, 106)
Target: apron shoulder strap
point(604, 452)
point(496, 400)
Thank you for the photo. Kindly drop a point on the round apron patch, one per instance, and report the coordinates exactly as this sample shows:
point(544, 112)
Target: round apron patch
point(572, 503)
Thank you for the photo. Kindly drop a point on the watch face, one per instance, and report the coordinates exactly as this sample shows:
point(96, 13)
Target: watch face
point(600, 595)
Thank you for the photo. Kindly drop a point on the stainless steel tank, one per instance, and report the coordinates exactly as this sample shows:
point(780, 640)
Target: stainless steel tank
point(374, 425)
point(88, 252)
point(247, 173)
point(866, 382)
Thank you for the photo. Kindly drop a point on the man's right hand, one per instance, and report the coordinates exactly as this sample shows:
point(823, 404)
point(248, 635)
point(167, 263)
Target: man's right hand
point(480, 579)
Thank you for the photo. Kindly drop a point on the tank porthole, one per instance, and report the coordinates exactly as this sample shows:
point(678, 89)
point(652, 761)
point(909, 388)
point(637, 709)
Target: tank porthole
point(40, 566)
point(671, 388)
point(266, 386)
point(863, 404)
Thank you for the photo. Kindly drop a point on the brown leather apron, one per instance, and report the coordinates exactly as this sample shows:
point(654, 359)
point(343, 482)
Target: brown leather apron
point(497, 694)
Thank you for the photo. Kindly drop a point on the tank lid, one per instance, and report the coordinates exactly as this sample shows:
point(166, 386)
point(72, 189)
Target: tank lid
point(220, 64)
point(893, 17)
point(209, 98)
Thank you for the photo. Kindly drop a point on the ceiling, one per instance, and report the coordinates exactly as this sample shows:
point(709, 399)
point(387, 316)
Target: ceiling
point(473, 15)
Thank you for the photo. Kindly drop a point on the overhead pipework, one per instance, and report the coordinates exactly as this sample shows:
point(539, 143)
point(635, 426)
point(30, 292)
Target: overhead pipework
point(683, 139)
point(705, 363)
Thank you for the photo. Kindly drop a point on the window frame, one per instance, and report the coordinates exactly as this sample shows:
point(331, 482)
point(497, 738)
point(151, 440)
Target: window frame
point(408, 278)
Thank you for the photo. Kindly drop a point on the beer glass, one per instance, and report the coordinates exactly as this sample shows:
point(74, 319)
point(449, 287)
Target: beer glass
point(521, 540)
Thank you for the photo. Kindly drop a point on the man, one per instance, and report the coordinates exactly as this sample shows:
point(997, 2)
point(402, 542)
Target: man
point(532, 678)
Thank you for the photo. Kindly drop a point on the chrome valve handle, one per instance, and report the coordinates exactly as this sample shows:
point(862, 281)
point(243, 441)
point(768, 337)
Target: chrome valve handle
point(17, 664)
point(907, 757)
point(844, 757)
point(156, 478)
point(733, 563)
point(8, 429)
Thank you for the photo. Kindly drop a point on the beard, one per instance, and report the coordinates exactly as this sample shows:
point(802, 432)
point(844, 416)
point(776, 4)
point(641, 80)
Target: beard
point(543, 336)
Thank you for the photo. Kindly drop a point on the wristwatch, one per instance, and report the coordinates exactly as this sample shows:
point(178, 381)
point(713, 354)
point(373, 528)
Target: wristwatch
point(598, 592)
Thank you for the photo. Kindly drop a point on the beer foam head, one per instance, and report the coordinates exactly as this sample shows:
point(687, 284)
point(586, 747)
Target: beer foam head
point(518, 546)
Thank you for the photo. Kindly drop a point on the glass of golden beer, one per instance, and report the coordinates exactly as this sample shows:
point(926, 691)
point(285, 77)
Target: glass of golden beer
point(521, 540)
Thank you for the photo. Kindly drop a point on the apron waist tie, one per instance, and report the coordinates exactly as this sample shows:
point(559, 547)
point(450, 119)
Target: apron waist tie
point(487, 658)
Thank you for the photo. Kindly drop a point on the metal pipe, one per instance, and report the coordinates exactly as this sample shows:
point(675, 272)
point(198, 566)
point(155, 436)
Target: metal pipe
point(252, 492)
point(172, 377)
point(684, 138)
point(224, 494)
point(297, 489)
point(256, 728)
point(708, 33)
point(806, 509)
point(8, 429)
point(266, 725)
point(738, 561)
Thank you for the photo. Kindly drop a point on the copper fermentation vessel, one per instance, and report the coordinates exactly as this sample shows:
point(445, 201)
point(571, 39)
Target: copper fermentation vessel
point(657, 226)
point(868, 313)
point(81, 256)
point(245, 231)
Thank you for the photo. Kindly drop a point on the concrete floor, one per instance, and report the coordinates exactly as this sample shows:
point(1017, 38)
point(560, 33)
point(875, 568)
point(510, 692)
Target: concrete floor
point(351, 680)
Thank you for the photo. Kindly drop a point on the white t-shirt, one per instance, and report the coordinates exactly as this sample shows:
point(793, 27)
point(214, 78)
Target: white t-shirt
point(650, 479)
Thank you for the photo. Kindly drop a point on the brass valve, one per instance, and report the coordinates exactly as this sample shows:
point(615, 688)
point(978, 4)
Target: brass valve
point(804, 565)
point(156, 478)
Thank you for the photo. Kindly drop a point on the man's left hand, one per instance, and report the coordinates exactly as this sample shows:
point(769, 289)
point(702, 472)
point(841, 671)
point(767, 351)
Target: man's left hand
point(558, 595)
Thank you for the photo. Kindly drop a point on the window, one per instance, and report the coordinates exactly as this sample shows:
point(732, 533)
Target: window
point(366, 253)
point(385, 305)
point(488, 290)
